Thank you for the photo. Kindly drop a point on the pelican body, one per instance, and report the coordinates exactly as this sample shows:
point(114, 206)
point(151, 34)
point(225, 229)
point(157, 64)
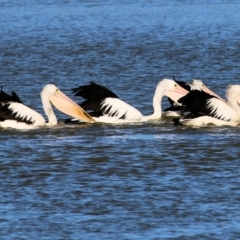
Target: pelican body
point(105, 106)
point(15, 114)
point(207, 109)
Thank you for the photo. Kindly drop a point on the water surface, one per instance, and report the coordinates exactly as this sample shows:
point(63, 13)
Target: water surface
point(139, 181)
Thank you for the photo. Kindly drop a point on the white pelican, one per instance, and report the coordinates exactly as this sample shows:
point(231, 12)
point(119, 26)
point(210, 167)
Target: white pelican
point(175, 110)
point(14, 114)
point(206, 109)
point(107, 107)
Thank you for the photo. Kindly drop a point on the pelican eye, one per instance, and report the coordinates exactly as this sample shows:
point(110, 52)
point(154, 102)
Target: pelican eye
point(57, 90)
point(175, 85)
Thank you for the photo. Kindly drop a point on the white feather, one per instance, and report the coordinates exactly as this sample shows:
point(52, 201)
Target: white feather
point(205, 120)
point(16, 125)
point(26, 112)
point(222, 110)
point(121, 108)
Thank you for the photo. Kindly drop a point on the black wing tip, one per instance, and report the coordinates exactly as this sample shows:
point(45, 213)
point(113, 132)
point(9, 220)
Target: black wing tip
point(4, 97)
point(93, 91)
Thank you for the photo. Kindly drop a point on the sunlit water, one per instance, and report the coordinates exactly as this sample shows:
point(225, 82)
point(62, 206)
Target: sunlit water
point(139, 181)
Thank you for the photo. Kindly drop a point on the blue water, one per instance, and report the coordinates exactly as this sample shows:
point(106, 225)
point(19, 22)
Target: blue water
point(138, 181)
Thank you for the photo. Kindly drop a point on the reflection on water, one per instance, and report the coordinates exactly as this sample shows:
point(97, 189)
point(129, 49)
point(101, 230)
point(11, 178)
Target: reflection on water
point(102, 181)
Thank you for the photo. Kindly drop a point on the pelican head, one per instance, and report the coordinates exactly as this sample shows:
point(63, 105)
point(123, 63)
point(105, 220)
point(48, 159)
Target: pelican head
point(63, 103)
point(199, 85)
point(171, 89)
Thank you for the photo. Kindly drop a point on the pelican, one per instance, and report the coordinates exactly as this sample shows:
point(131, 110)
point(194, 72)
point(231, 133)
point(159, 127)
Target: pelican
point(15, 114)
point(207, 109)
point(107, 107)
point(175, 110)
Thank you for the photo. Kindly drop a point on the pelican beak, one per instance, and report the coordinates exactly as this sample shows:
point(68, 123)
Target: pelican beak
point(207, 90)
point(69, 107)
point(176, 94)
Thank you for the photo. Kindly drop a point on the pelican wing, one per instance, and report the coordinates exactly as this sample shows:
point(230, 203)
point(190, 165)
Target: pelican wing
point(101, 101)
point(114, 107)
point(4, 97)
point(20, 113)
point(12, 108)
point(199, 103)
point(93, 91)
point(94, 94)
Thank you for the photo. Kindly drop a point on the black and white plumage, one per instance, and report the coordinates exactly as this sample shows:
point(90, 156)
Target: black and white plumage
point(206, 109)
point(15, 114)
point(105, 106)
point(176, 110)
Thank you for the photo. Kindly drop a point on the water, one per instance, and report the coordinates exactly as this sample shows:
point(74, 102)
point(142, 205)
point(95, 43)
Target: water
point(138, 181)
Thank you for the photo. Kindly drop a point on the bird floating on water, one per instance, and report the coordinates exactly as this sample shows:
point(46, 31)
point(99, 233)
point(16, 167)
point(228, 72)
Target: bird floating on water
point(206, 109)
point(15, 114)
point(105, 106)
